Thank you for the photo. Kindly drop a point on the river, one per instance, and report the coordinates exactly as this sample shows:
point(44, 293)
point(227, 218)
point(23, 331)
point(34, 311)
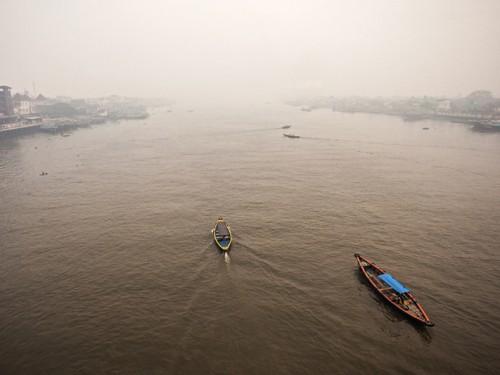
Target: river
point(108, 266)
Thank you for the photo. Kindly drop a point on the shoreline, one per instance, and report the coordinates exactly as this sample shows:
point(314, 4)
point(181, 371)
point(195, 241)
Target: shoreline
point(484, 124)
point(61, 124)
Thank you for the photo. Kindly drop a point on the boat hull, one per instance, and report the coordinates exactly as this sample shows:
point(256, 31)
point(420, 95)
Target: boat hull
point(225, 243)
point(413, 310)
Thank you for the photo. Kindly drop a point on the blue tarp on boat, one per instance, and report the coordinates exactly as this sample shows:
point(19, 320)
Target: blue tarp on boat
point(224, 242)
point(393, 283)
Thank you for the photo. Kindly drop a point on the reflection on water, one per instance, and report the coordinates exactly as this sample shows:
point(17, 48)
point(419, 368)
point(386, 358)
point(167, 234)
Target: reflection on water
point(108, 264)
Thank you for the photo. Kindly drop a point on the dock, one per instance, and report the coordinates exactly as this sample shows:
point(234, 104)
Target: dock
point(17, 127)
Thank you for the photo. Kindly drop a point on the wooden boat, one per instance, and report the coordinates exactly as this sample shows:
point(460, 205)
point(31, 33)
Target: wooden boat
point(393, 291)
point(222, 234)
point(291, 135)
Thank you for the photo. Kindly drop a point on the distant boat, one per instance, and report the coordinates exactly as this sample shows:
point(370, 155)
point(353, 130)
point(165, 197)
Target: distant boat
point(136, 116)
point(409, 117)
point(393, 291)
point(49, 127)
point(222, 234)
point(425, 128)
point(291, 135)
point(306, 109)
point(286, 126)
point(487, 126)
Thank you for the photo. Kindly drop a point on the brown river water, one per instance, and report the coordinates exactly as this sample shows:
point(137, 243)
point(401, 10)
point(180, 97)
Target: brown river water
point(108, 266)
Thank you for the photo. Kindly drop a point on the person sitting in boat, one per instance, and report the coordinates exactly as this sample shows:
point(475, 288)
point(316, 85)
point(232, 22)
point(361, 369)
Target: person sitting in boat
point(402, 299)
point(399, 298)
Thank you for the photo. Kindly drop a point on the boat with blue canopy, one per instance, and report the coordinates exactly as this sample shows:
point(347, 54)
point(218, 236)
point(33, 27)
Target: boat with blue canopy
point(397, 286)
point(393, 291)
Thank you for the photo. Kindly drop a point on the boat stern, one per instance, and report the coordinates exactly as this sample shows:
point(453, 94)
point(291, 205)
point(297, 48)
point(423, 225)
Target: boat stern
point(224, 245)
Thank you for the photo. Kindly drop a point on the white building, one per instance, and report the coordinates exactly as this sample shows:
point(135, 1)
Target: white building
point(22, 104)
point(444, 106)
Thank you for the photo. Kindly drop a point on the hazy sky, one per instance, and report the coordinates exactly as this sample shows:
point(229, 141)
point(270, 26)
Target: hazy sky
point(250, 50)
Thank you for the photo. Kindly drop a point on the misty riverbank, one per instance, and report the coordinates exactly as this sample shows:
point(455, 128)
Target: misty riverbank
point(59, 124)
point(27, 112)
point(480, 109)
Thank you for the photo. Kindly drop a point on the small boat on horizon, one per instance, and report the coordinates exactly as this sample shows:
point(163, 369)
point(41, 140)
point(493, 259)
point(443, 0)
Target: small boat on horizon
point(222, 234)
point(393, 291)
point(286, 126)
point(49, 127)
point(409, 117)
point(486, 126)
point(290, 135)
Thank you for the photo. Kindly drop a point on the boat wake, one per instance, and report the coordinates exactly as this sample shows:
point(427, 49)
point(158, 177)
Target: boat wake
point(317, 138)
point(227, 258)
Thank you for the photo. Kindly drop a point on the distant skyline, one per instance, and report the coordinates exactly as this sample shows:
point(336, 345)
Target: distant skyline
point(239, 51)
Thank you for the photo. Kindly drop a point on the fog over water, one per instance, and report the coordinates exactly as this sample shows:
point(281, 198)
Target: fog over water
point(209, 52)
point(107, 260)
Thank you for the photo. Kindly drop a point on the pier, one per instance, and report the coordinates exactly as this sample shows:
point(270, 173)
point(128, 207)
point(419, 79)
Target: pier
point(14, 127)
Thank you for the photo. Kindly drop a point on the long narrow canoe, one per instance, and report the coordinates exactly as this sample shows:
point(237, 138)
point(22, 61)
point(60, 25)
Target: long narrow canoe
point(393, 291)
point(222, 234)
